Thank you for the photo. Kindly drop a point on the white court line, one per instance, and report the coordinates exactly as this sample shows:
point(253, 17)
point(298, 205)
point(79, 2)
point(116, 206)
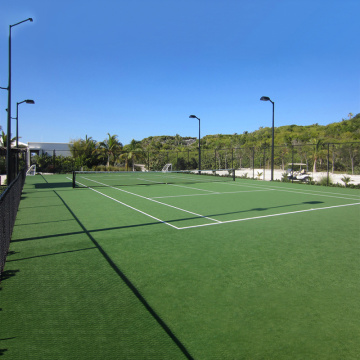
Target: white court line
point(214, 193)
point(217, 222)
point(146, 198)
point(306, 192)
point(186, 187)
point(131, 207)
point(266, 216)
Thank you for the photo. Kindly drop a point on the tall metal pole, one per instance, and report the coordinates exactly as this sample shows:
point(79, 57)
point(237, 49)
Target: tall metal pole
point(199, 148)
point(195, 117)
point(266, 98)
point(17, 125)
point(9, 172)
point(8, 139)
point(272, 142)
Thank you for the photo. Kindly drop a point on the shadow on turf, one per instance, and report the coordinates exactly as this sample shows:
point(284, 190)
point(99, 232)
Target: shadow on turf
point(57, 253)
point(2, 351)
point(157, 222)
point(7, 274)
point(53, 185)
point(129, 284)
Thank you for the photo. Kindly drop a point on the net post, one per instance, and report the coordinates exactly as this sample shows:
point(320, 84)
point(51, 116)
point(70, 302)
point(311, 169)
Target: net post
point(73, 179)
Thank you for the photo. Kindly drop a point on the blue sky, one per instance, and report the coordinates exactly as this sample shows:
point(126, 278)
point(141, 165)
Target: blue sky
point(139, 68)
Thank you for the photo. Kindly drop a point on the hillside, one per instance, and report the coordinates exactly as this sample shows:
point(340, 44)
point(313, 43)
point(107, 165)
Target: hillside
point(343, 131)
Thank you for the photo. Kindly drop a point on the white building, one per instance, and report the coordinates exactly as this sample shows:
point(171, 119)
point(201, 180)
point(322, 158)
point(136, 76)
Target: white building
point(40, 148)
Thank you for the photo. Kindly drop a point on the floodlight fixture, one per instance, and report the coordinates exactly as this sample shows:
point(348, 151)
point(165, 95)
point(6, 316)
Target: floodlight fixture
point(195, 117)
point(266, 98)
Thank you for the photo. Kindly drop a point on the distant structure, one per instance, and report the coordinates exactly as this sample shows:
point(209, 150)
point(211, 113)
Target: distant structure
point(51, 149)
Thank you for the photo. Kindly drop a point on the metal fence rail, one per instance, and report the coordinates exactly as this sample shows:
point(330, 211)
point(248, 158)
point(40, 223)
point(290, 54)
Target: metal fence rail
point(9, 203)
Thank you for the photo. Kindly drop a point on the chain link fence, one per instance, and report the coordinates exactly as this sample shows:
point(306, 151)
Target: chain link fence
point(9, 203)
point(322, 157)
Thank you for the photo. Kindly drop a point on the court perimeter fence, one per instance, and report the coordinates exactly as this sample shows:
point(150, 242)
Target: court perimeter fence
point(9, 203)
point(324, 157)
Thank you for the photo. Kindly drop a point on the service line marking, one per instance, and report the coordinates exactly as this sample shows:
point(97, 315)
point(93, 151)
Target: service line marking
point(131, 207)
point(213, 193)
point(156, 201)
point(217, 222)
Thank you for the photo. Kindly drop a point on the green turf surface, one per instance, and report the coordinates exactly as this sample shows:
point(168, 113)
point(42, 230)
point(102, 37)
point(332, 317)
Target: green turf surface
point(127, 273)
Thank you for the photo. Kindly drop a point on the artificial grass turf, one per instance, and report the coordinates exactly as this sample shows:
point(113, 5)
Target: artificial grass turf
point(64, 300)
point(275, 288)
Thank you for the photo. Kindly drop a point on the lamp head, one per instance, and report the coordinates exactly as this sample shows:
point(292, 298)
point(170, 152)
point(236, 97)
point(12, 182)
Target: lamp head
point(265, 98)
point(193, 117)
point(31, 19)
point(30, 101)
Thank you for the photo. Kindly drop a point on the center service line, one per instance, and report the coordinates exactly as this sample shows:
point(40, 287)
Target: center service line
point(159, 202)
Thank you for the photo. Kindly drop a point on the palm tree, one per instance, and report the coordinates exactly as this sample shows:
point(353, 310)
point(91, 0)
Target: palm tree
point(84, 150)
point(3, 139)
point(317, 151)
point(134, 152)
point(110, 147)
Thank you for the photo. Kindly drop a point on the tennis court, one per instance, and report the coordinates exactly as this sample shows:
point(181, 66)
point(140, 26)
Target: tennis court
point(176, 269)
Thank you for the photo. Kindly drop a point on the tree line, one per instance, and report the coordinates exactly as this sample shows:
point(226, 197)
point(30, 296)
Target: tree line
point(248, 149)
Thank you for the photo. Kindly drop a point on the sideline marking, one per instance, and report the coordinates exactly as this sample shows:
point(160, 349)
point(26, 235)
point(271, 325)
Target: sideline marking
point(266, 216)
point(217, 222)
point(307, 192)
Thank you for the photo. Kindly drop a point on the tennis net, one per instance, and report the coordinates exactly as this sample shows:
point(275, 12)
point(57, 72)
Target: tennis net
point(129, 178)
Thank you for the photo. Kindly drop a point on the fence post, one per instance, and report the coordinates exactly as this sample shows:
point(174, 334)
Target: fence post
point(328, 155)
point(253, 161)
point(264, 165)
point(232, 158)
point(292, 164)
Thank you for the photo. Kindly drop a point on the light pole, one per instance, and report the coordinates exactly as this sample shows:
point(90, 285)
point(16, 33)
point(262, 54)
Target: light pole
point(195, 117)
point(8, 140)
point(28, 101)
point(265, 98)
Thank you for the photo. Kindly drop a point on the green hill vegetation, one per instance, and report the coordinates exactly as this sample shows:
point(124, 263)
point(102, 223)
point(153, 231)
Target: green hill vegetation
point(344, 131)
point(293, 144)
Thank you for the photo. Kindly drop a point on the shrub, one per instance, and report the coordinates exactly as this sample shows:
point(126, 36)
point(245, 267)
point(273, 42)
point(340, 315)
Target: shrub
point(346, 180)
point(284, 177)
point(324, 181)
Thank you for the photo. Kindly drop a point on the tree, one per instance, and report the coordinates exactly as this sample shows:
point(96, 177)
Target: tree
point(134, 152)
point(84, 151)
point(316, 151)
point(3, 139)
point(110, 148)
